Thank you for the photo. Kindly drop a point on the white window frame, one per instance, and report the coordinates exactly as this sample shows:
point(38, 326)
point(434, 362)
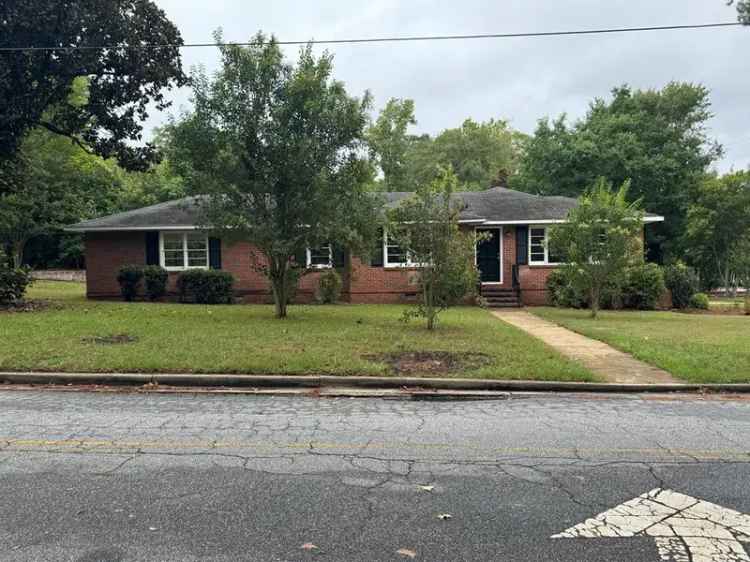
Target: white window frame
point(546, 246)
point(185, 266)
point(329, 265)
point(387, 264)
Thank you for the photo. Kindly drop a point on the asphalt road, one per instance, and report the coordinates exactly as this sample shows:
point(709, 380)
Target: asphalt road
point(123, 477)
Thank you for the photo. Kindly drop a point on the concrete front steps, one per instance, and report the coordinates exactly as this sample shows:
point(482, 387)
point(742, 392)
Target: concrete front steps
point(499, 297)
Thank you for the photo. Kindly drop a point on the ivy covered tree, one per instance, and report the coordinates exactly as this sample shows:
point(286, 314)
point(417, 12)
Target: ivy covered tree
point(104, 41)
point(278, 151)
point(426, 227)
point(600, 239)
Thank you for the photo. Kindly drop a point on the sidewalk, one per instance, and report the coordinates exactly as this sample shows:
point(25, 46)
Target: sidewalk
point(611, 365)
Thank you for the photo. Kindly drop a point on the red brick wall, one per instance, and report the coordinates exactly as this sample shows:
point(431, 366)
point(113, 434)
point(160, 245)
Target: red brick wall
point(533, 280)
point(106, 253)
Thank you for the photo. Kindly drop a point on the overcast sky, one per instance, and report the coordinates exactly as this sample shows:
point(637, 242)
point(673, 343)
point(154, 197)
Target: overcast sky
point(519, 80)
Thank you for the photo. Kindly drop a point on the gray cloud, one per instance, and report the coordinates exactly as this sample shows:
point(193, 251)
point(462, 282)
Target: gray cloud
point(516, 79)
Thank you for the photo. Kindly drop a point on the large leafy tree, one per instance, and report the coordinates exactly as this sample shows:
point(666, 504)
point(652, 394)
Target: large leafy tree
point(279, 151)
point(599, 240)
point(390, 141)
point(426, 227)
point(105, 41)
point(718, 229)
point(481, 154)
point(61, 184)
point(657, 139)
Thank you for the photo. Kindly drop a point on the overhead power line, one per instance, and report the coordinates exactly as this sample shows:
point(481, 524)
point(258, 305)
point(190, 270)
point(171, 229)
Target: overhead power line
point(413, 38)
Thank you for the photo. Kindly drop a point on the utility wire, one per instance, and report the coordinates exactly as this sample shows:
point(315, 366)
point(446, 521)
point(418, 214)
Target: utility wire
point(381, 39)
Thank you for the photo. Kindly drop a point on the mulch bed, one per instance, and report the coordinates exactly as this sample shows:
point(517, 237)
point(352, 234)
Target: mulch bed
point(437, 362)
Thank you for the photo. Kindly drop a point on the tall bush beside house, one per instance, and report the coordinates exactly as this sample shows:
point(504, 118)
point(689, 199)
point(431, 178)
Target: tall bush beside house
point(13, 284)
point(155, 278)
point(426, 227)
point(202, 286)
point(682, 281)
point(644, 286)
point(329, 287)
point(129, 277)
point(600, 239)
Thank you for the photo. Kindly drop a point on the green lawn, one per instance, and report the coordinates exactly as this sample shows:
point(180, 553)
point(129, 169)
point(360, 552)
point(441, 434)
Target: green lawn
point(698, 348)
point(247, 339)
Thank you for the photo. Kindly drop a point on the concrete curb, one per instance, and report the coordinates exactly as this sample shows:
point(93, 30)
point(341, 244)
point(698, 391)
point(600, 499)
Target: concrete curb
point(313, 381)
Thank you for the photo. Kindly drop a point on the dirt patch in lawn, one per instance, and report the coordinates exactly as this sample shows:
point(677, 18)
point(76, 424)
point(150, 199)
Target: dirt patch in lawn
point(431, 362)
point(28, 306)
point(114, 339)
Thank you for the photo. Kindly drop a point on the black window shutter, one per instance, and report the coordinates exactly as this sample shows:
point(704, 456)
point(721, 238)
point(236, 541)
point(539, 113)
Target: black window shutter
point(377, 252)
point(522, 245)
point(300, 258)
point(152, 248)
point(339, 256)
point(214, 253)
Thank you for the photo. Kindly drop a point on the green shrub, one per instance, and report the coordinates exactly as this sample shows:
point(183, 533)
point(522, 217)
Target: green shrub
point(699, 300)
point(205, 286)
point(155, 278)
point(329, 287)
point(129, 277)
point(562, 293)
point(683, 283)
point(644, 286)
point(13, 284)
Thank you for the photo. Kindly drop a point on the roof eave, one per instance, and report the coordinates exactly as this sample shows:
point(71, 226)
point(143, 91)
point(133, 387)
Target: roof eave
point(83, 228)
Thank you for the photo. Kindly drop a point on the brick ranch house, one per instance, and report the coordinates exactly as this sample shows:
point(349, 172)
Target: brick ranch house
point(514, 260)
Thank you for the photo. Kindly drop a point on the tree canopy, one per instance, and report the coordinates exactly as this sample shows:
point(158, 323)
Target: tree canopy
point(98, 40)
point(278, 149)
point(480, 154)
point(718, 230)
point(657, 139)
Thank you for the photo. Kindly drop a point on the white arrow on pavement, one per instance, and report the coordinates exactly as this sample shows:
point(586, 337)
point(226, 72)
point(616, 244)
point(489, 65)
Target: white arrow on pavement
point(685, 528)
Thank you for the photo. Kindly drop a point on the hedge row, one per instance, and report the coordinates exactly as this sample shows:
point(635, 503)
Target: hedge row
point(196, 285)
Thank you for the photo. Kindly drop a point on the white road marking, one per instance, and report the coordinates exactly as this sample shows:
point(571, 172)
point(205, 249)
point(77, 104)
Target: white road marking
point(686, 529)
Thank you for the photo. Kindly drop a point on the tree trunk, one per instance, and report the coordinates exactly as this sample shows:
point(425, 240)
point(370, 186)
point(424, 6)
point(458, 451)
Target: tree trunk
point(429, 309)
point(280, 295)
point(594, 305)
point(18, 248)
point(279, 277)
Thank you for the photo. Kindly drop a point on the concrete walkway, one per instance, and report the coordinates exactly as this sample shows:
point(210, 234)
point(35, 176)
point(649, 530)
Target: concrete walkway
point(603, 360)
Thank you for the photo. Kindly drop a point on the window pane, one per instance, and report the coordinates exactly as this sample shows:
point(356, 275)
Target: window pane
point(396, 254)
point(173, 242)
point(320, 257)
point(197, 258)
point(174, 258)
point(536, 245)
point(197, 242)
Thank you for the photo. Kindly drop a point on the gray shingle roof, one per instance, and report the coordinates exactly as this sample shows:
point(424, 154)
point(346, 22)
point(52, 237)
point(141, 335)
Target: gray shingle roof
point(496, 205)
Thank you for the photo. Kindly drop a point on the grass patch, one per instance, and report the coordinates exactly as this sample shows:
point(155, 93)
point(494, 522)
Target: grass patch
point(698, 348)
point(247, 339)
